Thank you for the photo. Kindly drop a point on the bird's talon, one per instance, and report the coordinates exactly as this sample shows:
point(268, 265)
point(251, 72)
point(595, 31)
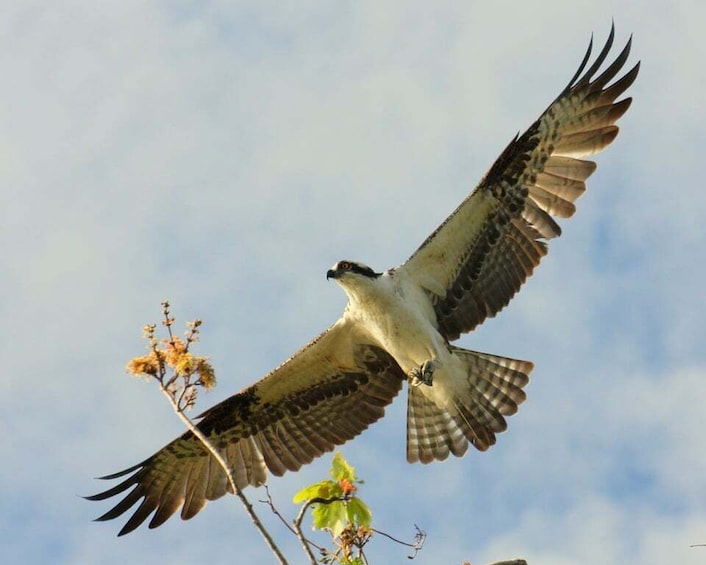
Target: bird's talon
point(423, 375)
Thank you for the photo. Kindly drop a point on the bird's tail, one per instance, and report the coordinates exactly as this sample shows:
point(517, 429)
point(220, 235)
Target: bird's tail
point(491, 390)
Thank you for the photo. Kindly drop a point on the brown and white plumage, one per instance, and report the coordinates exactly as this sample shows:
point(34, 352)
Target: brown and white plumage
point(398, 326)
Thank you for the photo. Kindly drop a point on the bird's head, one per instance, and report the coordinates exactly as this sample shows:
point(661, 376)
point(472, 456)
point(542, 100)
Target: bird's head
point(350, 270)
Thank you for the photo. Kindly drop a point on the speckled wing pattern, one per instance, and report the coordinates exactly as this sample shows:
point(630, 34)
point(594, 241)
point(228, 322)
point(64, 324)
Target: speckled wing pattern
point(323, 396)
point(476, 261)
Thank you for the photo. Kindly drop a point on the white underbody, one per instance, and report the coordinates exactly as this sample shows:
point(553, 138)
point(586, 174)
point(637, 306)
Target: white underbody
point(398, 316)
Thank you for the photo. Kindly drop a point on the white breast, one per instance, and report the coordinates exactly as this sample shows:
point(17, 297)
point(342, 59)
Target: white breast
point(397, 315)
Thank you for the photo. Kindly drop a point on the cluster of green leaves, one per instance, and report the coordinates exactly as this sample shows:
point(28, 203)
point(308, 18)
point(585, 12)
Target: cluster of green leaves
point(339, 511)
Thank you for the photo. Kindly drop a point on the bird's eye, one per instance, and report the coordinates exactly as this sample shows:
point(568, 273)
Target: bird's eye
point(344, 266)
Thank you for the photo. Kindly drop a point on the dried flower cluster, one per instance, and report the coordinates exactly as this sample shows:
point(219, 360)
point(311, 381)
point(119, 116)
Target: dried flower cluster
point(171, 355)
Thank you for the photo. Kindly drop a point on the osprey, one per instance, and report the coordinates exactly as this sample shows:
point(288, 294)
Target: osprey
point(399, 324)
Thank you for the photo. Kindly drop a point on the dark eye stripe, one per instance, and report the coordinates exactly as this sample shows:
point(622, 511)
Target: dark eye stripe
point(361, 270)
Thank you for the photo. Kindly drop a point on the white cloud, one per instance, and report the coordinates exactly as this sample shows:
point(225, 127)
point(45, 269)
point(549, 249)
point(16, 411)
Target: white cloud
point(597, 530)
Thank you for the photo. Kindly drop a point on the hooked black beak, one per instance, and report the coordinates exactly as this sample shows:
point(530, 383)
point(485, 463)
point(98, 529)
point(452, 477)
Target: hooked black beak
point(331, 274)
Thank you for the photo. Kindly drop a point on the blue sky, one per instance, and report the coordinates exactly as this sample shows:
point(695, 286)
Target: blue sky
point(224, 155)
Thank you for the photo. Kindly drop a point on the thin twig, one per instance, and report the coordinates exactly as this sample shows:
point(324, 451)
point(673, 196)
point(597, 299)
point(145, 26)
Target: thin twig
point(276, 512)
point(417, 545)
point(297, 524)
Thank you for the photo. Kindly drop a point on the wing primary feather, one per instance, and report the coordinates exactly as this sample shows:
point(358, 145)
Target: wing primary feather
point(620, 86)
point(580, 69)
point(119, 474)
point(120, 508)
point(139, 516)
point(607, 75)
point(216, 482)
point(117, 489)
point(593, 69)
point(164, 511)
point(195, 498)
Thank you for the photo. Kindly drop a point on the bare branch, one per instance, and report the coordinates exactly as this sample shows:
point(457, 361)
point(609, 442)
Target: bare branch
point(276, 512)
point(419, 537)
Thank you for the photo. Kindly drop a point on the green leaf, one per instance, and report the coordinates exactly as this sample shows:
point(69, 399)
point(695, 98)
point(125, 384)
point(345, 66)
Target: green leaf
point(358, 512)
point(341, 470)
point(331, 517)
point(322, 489)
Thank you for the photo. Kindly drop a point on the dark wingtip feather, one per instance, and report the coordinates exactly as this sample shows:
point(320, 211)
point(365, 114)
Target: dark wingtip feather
point(126, 503)
point(582, 66)
point(123, 506)
point(581, 78)
point(141, 514)
point(123, 472)
point(117, 489)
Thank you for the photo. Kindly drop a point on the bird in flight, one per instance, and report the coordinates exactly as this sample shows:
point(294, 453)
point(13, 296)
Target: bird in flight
point(399, 326)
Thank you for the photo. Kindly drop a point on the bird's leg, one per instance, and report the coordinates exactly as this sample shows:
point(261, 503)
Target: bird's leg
point(423, 374)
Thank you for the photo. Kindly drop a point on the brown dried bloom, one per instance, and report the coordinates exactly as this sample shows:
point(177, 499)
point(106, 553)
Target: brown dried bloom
point(148, 331)
point(147, 365)
point(183, 364)
point(174, 349)
point(173, 353)
point(207, 375)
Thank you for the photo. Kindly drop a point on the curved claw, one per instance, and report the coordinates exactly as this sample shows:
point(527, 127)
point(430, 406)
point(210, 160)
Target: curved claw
point(424, 374)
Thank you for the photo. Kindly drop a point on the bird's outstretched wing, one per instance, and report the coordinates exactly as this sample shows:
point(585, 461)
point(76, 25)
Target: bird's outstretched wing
point(324, 395)
point(475, 262)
